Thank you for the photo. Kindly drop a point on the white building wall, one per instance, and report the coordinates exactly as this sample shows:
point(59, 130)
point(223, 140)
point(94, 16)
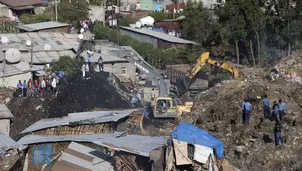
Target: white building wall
point(116, 69)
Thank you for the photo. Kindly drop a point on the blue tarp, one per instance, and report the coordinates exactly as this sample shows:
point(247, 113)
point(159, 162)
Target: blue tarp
point(193, 135)
point(158, 30)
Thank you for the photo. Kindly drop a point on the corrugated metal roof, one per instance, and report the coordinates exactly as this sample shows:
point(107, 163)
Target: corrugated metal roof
point(15, 69)
point(80, 157)
point(35, 139)
point(81, 118)
point(42, 26)
point(6, 142)
point(135, 144)
point(60, 43)
point(5, 113)
point(159, 35)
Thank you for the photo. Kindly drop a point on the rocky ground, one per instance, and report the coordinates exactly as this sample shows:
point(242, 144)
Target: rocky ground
point(75, 95)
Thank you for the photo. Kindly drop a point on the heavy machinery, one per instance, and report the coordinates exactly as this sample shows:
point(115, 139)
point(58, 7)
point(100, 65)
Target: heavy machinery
point(183, 83)
point(164, 106)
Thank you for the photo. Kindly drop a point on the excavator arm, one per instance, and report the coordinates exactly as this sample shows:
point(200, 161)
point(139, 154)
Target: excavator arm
point(205, 58)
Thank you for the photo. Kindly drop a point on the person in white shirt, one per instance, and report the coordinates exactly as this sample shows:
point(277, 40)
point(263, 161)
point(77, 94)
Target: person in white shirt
point(43, 87)
point(83, 70)
point(54, 86)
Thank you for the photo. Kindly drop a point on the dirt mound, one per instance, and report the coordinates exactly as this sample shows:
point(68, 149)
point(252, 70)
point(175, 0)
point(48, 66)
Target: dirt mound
point(78, 95)
point(252, 148)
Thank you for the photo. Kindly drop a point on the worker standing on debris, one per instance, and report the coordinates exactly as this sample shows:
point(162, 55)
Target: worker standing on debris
point(36, 86)
point(43, 86)
point(275, 111)
point(281, 110)
point(247, 111)
point(19, 87)
point(243, 110)
point(83, 70)
point(54, 86)
point(24, 88)
point(277, 134)
point(152, 94)
point(101, 66)
point(30, 88)
point(266, 107)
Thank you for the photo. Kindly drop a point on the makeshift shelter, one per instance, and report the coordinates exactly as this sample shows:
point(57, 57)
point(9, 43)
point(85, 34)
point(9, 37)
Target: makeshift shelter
point(193, 135)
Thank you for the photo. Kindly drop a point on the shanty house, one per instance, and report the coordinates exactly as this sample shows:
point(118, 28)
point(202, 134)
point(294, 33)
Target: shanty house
point(157, 39)
point(80, 123)
point(5, 119)
point(51, 136)
point(51, 26)
point(130, 152)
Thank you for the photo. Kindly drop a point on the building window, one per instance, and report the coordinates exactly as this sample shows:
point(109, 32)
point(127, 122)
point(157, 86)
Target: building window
point(123, 70)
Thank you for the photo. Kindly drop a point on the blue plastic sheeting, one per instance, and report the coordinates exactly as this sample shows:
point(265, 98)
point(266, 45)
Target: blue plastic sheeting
point(193, 135)
point(157, 7)
point(42, 154)
point(158, 30)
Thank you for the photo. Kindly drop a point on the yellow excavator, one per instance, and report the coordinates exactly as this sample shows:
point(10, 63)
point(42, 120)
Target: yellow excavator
point(205, 58)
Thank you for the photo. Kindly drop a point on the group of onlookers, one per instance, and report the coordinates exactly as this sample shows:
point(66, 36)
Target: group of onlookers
point(42, 86)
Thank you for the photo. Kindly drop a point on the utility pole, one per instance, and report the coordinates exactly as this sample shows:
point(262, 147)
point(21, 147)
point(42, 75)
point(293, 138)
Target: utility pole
point(56, 9)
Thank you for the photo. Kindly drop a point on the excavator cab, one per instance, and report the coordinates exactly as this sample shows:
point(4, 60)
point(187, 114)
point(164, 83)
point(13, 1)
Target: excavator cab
point(165, 107)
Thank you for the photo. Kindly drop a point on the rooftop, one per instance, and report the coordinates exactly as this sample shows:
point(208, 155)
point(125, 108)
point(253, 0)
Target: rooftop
point(5, 113)
point(21, 4)
point(60, 44)
point(42, 26)
point(15, 69)
point(80, 157)
point(6, 142)
point(159, 35)
point(82, 118)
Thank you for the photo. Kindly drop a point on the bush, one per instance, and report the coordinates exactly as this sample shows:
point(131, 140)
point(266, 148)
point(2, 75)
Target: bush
point(146, 50)
point(34, 18)
point(66, 64)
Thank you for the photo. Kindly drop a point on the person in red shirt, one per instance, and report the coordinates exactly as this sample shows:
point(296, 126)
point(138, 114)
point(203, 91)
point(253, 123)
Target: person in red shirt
point(30, 88)
point(36, 86)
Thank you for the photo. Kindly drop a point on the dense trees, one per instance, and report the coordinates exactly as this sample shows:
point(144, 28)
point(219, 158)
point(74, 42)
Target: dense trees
point(252, 30)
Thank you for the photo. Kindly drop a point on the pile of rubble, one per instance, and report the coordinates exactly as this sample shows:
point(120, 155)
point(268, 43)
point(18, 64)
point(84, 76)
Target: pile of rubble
point(218, 110)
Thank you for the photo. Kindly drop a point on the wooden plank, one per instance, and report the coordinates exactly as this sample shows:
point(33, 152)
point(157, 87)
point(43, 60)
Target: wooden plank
point(79, 155)
point(64, 165)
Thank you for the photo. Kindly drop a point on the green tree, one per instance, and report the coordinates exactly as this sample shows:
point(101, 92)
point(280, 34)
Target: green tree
point(73, 12)
point(197, 25)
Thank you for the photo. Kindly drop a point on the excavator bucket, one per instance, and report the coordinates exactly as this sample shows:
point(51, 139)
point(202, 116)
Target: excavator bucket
point(183, 84)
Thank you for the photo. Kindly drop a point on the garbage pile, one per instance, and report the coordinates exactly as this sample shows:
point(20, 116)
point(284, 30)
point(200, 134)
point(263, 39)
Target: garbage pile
point(75, 95)
point(79, 95)
point(218, 110)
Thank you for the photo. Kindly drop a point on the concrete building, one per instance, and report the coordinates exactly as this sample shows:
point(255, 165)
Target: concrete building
point(113, 61)
point(157, 39)
point(50, 26)
point(5, 119)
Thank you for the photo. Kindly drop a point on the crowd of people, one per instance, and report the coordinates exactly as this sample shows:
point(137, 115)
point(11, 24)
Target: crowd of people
point(275, 113)
point(42, 86)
